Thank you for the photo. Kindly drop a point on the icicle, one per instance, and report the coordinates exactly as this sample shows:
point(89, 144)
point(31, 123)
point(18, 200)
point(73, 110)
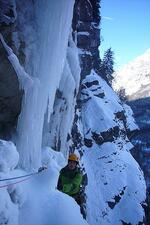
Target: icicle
point(25, 80)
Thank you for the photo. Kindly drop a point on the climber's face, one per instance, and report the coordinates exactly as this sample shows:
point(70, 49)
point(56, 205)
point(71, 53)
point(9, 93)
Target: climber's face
point(72, 164)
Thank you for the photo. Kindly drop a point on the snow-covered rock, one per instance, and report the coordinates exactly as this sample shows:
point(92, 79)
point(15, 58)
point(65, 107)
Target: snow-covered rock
point(9, 156)
point(107, 158)
point(113, 192)
point(8, 198)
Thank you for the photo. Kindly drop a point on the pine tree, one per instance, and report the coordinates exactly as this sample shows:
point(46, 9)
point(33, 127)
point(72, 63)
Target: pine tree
point(122, 94)
point(107, 65)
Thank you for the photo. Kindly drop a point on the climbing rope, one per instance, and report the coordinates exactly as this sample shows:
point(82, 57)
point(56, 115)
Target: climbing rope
point(7, 185)
point(14, 178)
point(27, 175)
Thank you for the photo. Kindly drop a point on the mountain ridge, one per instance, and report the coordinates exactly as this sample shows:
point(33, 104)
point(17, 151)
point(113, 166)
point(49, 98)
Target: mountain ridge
point(134, 77)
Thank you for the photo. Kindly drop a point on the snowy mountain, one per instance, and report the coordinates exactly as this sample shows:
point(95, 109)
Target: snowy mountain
point(134, 77)
point(54, 102)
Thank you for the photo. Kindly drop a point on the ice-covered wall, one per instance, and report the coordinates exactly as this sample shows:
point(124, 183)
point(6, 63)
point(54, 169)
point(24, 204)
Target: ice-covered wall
point(58, 130)
point(43, 28)
point(34, 35)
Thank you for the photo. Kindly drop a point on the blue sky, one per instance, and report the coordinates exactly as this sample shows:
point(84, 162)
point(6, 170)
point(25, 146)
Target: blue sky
point(125, 27)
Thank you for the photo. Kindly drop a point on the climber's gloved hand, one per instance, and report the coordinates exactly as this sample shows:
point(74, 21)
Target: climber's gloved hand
point(42, 168)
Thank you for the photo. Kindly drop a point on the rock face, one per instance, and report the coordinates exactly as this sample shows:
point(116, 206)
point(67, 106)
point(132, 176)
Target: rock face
point(10, 95)
point(141, 140)
point(100, 130)
point(87, 33)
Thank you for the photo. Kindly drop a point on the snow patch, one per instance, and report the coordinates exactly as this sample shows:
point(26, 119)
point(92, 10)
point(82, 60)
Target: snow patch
point(8, 156)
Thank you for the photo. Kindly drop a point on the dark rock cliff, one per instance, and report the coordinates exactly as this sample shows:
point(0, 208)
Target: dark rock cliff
point(10, 94)
point(141, 141)
point(86, 31)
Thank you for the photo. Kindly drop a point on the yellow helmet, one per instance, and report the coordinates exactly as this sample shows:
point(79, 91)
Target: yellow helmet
point(73, 157)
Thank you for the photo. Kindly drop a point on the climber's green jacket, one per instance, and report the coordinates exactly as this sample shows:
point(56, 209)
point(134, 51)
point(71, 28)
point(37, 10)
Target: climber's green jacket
point(70, 181)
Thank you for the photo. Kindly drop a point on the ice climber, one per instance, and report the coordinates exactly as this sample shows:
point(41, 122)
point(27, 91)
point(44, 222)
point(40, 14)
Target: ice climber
point(70, 180)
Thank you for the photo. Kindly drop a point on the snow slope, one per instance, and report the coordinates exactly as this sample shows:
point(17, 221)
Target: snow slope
point(36, 200)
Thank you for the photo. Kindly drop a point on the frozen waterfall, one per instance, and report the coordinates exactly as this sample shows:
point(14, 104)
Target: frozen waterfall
point(53, 20)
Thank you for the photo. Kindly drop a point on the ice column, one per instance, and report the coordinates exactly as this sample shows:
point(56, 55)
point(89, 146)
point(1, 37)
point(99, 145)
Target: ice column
point(53, 25)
